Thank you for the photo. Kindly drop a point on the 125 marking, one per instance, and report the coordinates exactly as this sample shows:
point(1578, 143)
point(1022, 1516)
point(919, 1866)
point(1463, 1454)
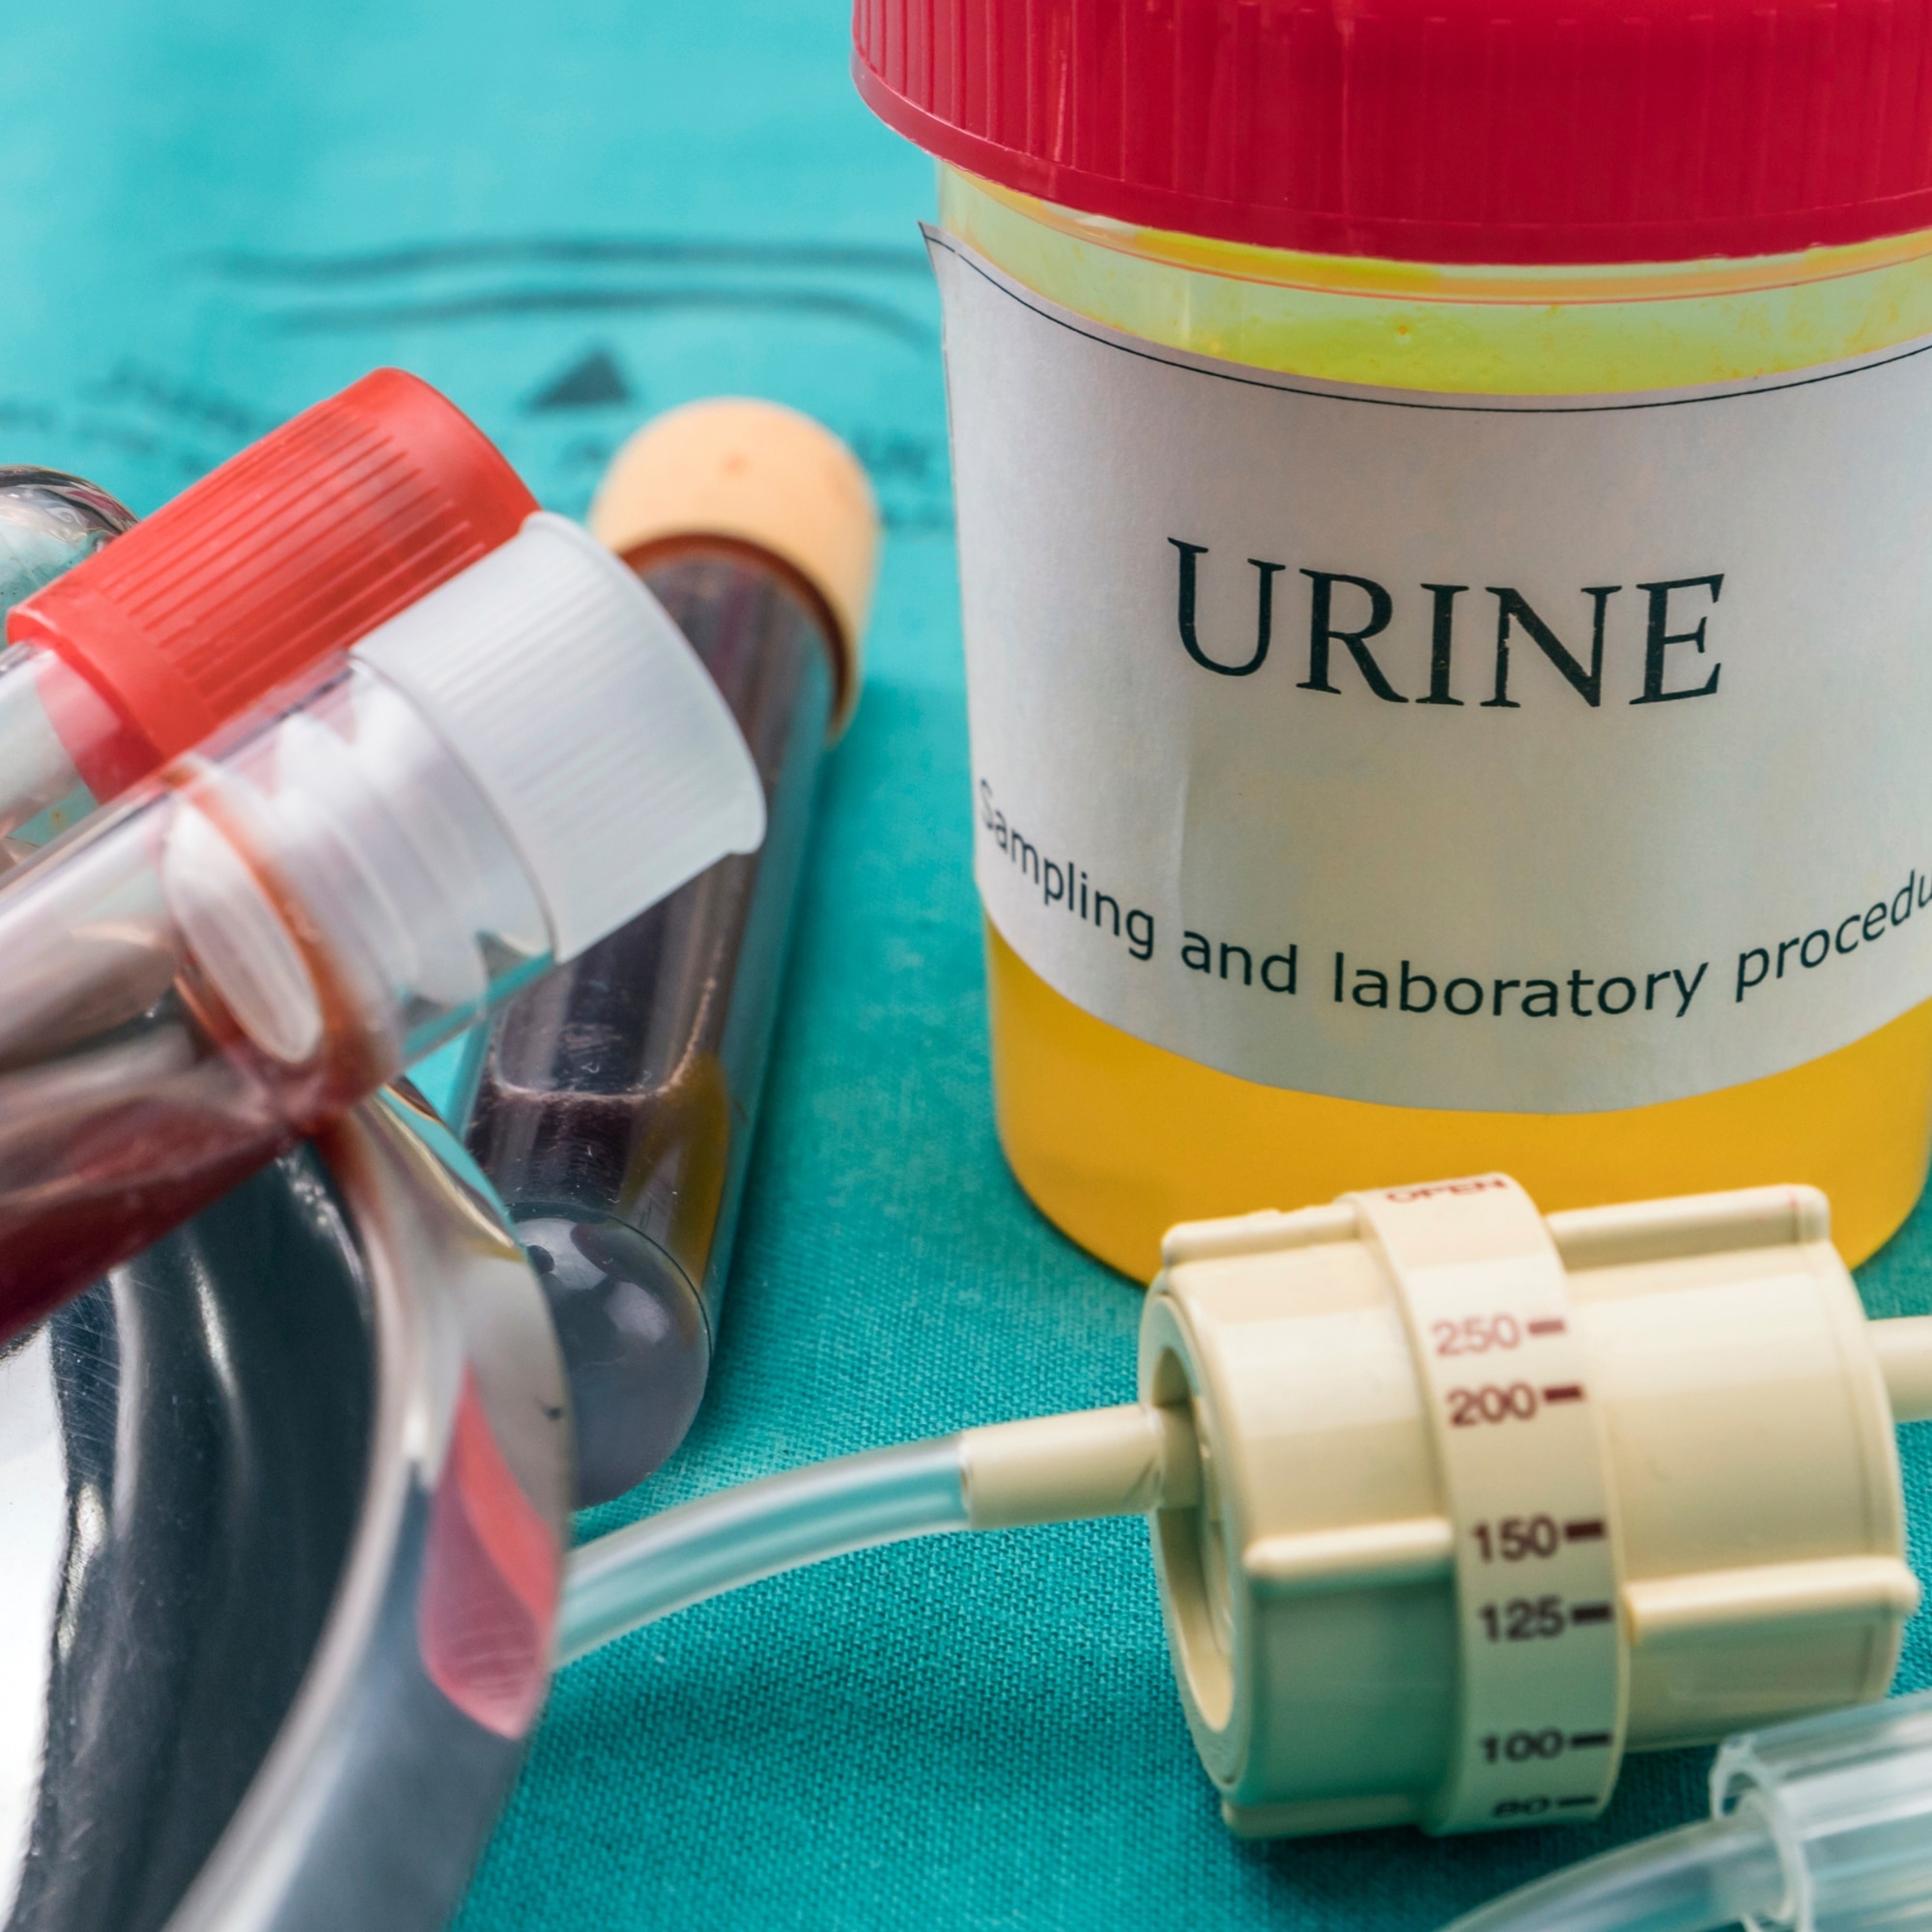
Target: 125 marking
point(1524, 1619)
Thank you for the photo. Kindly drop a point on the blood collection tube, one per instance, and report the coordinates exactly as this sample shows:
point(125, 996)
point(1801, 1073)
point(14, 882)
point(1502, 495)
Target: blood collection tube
point(617, 1101)
point(273, 926)
point(290, 550)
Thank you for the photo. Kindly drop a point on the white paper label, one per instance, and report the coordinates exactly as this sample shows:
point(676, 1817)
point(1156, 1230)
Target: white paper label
point(1527, 754)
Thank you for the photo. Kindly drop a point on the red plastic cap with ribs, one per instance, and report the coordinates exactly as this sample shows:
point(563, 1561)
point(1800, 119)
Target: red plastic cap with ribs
point(292, 550)
point(1432, 130)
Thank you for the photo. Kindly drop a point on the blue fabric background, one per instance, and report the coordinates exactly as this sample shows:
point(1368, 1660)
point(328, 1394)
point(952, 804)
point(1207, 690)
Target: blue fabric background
point(568, 217)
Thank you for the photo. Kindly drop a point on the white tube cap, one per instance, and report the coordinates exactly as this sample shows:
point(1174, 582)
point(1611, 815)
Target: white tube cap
point(584, 718)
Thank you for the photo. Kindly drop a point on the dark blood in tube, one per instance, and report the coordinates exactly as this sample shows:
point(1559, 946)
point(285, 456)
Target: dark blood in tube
point(616, 1099)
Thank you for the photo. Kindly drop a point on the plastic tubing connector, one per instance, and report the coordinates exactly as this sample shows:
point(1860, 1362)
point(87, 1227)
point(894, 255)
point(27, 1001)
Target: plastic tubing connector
point(1819, 1825)
point(1502, 1497)
point(1453, 1503)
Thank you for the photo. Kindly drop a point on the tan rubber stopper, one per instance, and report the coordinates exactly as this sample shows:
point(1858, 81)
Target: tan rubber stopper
point(758, 474)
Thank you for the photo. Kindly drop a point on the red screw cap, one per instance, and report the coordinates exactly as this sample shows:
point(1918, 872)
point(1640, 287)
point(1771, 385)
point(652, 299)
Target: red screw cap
point(1432, 130)
point(298, 547)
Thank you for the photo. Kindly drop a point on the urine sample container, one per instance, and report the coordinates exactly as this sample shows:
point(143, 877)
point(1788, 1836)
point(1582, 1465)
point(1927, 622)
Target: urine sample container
point(1441, 502)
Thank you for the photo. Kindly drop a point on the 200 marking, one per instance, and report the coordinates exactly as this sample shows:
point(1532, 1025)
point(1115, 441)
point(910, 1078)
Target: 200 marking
point(1494, 1401)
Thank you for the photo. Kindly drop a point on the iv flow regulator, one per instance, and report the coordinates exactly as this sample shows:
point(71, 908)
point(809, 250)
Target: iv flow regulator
point(1452, 1503)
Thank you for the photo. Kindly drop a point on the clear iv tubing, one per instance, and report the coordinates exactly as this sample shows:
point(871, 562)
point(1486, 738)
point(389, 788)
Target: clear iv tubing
point(1824, 1825)
point(1123, 1460)
point(669, 1561)
point(1714, 1873)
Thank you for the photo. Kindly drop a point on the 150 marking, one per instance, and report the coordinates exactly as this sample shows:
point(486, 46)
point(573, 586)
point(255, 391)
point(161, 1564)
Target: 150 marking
point(1483, 1367)
point(1517, 1539)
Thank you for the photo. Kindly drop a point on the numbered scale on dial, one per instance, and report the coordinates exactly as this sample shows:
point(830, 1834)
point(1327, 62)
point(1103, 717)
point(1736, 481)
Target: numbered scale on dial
point(1526, 1487)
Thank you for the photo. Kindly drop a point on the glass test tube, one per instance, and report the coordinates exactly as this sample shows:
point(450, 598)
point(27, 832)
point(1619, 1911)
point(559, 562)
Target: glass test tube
point(290, 550)
point(217, 967)
point(277, 923)
point(49, 521)
point(616, 1101)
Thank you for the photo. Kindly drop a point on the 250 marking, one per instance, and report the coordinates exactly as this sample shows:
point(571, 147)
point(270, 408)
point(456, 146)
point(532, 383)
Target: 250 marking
point(1476, 1334)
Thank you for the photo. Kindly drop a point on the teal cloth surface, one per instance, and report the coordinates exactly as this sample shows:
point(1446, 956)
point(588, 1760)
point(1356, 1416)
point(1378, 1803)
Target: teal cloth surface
point(569, 216)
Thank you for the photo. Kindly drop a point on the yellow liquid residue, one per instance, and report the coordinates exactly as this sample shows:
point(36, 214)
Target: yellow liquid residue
point(1452, 330)
point(1115, 1139)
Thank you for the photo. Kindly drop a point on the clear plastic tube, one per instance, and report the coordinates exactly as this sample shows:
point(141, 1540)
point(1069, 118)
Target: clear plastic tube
point(51, 720)
point(1821, 1825)
point(1847, 1797)
point(228, 959)
point(49, 521)
point(273, 926)
point(1824, 1825)
point(286, 553)
point(722, 1542)
point(1691, 1879)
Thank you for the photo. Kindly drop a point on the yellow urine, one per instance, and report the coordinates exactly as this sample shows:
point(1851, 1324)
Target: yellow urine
point(1116, 1140)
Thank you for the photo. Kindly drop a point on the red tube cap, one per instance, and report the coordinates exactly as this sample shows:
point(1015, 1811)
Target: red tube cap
point(298, 547)
point(1432, 130)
